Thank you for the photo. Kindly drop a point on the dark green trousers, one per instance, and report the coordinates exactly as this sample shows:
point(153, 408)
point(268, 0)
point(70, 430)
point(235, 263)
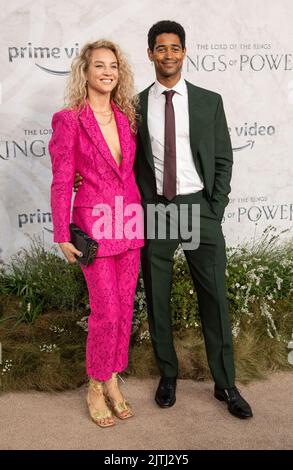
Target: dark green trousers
point(207, 266)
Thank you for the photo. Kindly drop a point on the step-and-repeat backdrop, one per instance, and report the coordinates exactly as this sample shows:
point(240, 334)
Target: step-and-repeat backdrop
point(241, 49)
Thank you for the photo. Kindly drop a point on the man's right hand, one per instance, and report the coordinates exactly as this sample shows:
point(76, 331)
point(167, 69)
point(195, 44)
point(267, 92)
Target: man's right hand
point(69, 251)
point(77, 181)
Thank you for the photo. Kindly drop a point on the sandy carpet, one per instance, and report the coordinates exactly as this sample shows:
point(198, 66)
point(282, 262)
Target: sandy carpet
point(197, 421)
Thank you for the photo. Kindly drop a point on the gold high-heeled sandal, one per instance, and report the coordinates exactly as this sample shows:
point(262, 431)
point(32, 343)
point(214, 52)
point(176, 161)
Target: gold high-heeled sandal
point(121, 409)
point(104, 419)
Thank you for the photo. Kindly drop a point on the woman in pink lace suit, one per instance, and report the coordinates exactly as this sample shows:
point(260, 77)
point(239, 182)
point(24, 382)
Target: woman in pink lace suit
point(95, 136)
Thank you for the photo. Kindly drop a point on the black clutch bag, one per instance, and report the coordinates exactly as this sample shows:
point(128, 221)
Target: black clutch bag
point(83, 243)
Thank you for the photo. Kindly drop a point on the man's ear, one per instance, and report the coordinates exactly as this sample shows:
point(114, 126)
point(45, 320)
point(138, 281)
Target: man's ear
point(150, 54)
point(184, 52)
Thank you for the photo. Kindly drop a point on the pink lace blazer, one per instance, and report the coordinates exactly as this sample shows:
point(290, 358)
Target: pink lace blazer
point(77, 144)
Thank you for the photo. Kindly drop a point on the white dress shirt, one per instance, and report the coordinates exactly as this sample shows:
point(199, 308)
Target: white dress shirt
point(187, 178)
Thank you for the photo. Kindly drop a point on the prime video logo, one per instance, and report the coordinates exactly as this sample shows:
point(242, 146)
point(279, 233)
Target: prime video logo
point(40, 53)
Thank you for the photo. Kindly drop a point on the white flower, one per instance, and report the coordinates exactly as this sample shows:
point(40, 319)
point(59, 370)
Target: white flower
point(279, 281)
point(56, 329)
point(83, 323)
point(236, 329)
point(7, 366)
point(145, 335)
point(48, 348)
point(262, 269)
point(266, 311)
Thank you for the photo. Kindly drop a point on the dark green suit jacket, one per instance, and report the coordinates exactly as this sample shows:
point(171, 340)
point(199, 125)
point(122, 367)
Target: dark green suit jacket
point(210, 144)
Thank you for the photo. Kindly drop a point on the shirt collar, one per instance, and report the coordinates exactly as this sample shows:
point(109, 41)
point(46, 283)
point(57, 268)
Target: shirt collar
point(180, 88)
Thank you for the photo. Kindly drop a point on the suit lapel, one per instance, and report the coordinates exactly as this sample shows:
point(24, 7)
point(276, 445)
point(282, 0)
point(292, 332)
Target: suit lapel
point(200, 118)
point(93, 130)
point(196, 115)
point(124, 133)
point(143, 126)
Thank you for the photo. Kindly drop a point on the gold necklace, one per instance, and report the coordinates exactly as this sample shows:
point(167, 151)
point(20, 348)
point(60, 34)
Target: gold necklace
point(106, 123)
point(106, 113)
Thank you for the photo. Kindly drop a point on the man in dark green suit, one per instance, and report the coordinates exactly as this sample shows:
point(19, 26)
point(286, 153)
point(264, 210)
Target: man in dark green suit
point(184, 157)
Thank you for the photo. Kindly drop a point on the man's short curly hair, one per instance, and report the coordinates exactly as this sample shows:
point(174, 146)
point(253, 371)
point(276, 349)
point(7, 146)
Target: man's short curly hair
point(165, 27)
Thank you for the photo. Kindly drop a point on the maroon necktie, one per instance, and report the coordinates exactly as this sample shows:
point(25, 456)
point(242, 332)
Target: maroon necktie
point(169, 179)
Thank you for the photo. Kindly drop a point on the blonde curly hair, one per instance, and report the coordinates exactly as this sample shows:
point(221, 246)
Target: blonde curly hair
point(123, 95)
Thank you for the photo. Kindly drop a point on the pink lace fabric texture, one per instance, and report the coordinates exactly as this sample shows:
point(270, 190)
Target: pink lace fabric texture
point(77, 144)
point(111, 283)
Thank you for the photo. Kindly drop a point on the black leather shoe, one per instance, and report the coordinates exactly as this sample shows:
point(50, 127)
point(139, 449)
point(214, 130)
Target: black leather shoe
point(166, 392)
point(236, 403)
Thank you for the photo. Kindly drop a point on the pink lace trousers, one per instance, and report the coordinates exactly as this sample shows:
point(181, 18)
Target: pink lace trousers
point(111, 283)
